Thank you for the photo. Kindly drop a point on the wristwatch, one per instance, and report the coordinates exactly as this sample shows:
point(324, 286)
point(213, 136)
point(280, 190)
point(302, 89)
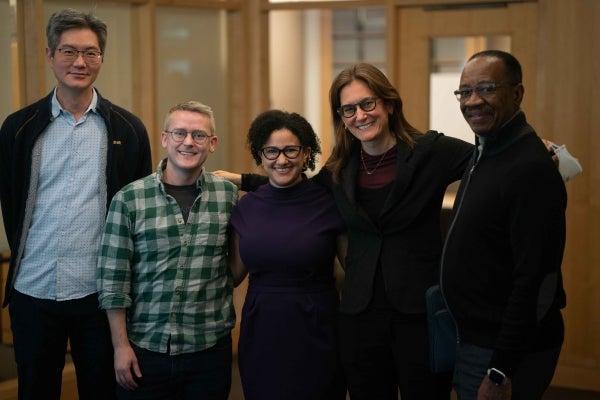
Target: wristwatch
point(497, 376)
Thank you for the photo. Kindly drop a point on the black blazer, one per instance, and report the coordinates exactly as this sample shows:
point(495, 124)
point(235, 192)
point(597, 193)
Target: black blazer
point(407, 240)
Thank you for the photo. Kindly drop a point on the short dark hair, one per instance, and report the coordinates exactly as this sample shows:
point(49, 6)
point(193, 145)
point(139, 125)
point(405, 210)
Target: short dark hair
point(69, 18)
point(513, 67)
point(265, 123)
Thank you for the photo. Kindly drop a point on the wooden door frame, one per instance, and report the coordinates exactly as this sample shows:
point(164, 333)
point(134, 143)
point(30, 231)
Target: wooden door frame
point(414, 28)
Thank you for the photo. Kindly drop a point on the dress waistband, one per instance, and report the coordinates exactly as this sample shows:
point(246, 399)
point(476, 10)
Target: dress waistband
point(263, 286)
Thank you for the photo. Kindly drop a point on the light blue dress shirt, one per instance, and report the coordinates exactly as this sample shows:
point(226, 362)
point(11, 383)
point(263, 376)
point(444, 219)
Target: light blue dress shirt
point(61, 250)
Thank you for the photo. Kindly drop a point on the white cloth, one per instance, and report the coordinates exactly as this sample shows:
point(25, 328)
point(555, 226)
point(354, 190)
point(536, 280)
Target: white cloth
point(568, 166)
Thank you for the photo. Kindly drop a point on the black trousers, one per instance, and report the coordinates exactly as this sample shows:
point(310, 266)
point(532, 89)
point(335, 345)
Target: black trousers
point(203, 375)
point(384, 352)
point(41, 329)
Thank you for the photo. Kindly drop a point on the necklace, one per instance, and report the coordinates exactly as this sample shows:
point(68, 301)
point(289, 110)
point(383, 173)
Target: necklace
point(378, 163)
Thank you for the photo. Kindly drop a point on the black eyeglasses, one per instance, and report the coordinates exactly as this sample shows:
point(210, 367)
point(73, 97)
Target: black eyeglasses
point(272, 153)
point(483, 90)
point(179, 135)
point(71, 54)
point(366, 104)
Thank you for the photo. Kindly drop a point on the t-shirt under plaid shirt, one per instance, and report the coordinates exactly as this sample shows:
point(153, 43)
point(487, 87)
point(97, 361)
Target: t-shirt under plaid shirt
point(172, 276)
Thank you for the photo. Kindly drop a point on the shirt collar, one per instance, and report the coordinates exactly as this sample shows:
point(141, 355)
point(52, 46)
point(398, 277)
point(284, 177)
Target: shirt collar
point(160, 169)
point(57, 108)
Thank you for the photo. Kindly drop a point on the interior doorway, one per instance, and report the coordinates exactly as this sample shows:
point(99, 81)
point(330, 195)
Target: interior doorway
point(423, 34)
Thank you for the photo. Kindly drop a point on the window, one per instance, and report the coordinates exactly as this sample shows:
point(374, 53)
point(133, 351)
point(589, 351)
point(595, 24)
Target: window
point(358, 36)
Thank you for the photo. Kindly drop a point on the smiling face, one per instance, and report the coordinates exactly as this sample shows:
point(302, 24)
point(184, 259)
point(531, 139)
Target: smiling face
point(284, 171)
point(186, 158)
point(486, 112)
point(370, 127)
point(75, 75)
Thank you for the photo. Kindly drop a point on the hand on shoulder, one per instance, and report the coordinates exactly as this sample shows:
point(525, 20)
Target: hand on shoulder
point(233, 177)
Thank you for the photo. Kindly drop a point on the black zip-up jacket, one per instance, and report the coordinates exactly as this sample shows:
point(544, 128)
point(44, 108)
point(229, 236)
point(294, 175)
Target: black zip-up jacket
point(128, 159)
point(501, 262)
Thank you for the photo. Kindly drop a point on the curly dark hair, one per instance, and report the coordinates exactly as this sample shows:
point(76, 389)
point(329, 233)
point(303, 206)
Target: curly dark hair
point(269, 121)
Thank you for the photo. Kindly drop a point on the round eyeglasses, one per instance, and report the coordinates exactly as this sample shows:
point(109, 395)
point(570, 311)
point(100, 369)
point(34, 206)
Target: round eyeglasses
point(70, 54)
point(272, 153)
point(366, 104)
point(179, 135)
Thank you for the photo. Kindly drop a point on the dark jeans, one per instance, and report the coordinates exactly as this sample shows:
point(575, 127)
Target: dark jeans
point(383, 351)
point(530, 381)
point(203, 375)
point(41, 329)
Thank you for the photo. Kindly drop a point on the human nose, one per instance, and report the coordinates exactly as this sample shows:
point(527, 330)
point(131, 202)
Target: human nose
point(79, 60)
point(359, 112)
point(281, 157)
point(474, 98)
point(189, 139)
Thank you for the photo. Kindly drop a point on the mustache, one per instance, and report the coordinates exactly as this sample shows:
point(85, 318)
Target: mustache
point(481, 109)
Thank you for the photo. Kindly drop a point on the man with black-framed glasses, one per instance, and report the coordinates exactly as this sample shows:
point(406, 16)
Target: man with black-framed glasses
point(502, 257)
point(61, 161)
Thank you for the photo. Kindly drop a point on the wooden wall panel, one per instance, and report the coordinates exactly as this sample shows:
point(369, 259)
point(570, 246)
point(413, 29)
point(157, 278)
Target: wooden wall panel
point(143, 25)
point(569, 113)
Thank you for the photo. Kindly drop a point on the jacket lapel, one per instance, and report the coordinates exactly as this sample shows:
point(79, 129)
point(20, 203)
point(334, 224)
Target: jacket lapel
point(349, 176)
point(404, 173)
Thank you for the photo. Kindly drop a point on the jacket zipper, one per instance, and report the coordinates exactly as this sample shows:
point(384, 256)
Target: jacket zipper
point(477, 156)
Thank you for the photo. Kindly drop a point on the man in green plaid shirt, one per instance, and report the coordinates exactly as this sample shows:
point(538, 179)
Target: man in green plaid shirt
point(163, 275)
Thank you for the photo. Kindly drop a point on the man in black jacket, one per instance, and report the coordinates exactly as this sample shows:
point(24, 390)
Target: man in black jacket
point(61, 161)
point(503, 253)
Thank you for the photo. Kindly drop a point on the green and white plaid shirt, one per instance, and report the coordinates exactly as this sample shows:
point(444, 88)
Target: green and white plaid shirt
point(172, 276)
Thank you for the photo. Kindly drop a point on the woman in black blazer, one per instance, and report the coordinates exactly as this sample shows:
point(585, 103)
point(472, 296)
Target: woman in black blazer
point(389, 181)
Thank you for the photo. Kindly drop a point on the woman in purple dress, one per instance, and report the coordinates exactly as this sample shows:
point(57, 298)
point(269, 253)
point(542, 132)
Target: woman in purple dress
point(285, 236)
